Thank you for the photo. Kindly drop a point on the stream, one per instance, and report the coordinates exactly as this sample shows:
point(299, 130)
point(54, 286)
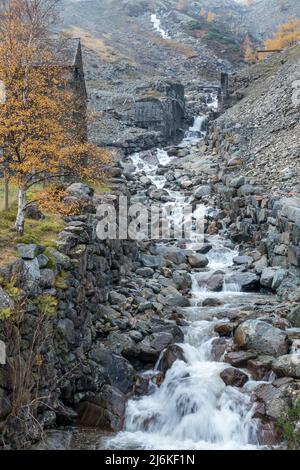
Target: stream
point(193, 408)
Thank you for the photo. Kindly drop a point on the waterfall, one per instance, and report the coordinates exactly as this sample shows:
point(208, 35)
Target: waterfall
point(157, 26)
point(193, 408)
point(197, 131)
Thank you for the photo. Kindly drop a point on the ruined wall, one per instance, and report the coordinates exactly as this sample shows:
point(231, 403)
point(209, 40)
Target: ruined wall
point(71, 283)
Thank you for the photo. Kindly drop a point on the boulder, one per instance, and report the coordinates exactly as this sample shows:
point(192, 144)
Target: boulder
point(182, 280)
point(105, 410)
point(174, 254)
point(240, 260)
point(261, 337)
point(80, 190)
point(47, 279)
point(120, 372)
point(153, 345)
point(267, 277)
point(117, 299)
point(66, 329)
point(59, 258)
point(278, 278)
point(29, 251)
point(215, 282)
point(287, 365)
point(247, 281)
point(198, 260)
point(169, 356)
point(150, 261)
point(293, 316)
point(218, 348)
point(224, 329)
point(211, 302)
point(54, 439)
point(240, 358)
point(276, 400)
point(234, 377)
point(145, 272)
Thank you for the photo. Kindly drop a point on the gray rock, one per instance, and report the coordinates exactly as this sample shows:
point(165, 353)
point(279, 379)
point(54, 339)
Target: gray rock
point(79, 189)
point(5, 404)
point(120, 372)
point(153, 345)
point(59, 258)
point(211, 302)
point(145, 272)
point(182, 280)
point(154, 262)
point(176, 255)
point(247, 281)
point(215, 283)
point(261, 264)
point(66, 329)
point(276, 400)
point(29, 251)
point(116, 298)
point(202, 191)
point(136, 336)
point(237, 182)
point(287, 365)
point(105, 410)
point(261, 337)
point(278, 278)
point(43, 260)
point(234, 377)
point(169, 356)
point(121, 343)
point(240, 358)
point(198, 260)
point(267, 277)
point(5, 301)
point(294, 316)
point(47, 279)
point(242, 260)
point(32, 272)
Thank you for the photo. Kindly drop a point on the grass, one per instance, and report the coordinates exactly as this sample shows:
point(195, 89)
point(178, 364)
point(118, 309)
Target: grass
point(41, 232)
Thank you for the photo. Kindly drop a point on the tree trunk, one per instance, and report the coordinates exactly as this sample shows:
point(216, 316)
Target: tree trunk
point(20, 219)
point(5, 205)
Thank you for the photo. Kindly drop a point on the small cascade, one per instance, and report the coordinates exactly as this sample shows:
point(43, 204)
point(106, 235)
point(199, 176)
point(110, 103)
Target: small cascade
point(197, 131)
point(193, 408)
point(157, 26)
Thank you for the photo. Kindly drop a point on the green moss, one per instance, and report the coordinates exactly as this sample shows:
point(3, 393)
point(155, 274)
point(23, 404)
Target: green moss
point(46, 304)
point(5, 313)
point(288, 427)
point(61, 281)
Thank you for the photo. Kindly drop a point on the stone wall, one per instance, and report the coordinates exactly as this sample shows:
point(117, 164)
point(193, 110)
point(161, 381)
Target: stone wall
point(75, 279)
point(271, 223)
point(162, 109)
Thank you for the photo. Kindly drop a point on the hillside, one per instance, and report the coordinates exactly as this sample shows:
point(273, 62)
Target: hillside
point(267, 121)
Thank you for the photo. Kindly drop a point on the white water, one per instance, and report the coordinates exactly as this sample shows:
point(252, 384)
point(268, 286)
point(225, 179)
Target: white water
point(196, 132)
point(157, 26)
point(193, 408)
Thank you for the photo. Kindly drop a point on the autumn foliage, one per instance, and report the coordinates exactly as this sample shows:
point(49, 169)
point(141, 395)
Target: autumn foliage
point(37, 127)
point(287, 35)
point(249, 50)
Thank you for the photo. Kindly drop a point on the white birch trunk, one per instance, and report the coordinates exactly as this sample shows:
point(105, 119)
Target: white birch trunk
point(20, 219)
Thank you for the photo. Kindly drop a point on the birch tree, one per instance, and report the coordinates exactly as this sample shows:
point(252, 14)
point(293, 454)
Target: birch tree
point(37, 126)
